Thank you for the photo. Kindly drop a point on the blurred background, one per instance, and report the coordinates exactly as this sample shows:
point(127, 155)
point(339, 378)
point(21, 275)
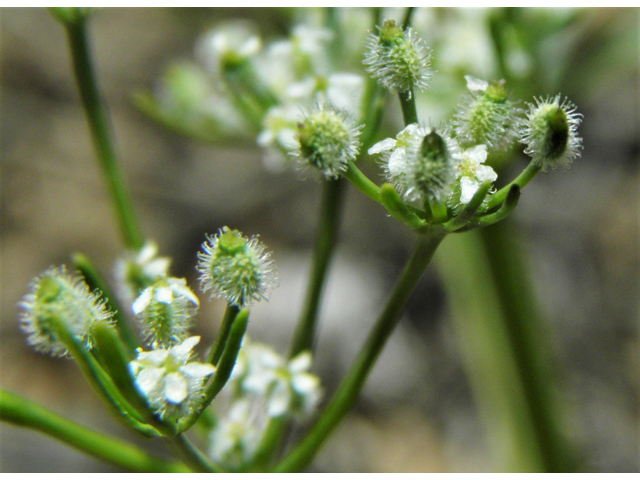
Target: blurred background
point(575, 231)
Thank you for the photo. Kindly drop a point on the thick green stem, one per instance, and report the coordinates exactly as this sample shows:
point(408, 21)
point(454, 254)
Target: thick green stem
point(101, 131)
point(362, 183)
point(223, 334)
point(406, 21)
point(304, 335)
point(529, 343)
point(20, 411)
point(408, 104)
point(350, 387)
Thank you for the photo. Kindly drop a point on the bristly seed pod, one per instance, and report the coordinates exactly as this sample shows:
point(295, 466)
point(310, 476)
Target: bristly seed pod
point(56, 296)
point(235, 268)
point(551, 133)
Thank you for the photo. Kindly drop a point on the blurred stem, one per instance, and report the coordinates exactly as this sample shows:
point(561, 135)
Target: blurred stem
point(223, 334)
point(350, 387)
point(408, 104)
point(192, 456)
point(20, 411)
point(101, 131)
point(530, 344)
point(406, 21)
point(333, 192)
point(503, 349)
point(96, 282)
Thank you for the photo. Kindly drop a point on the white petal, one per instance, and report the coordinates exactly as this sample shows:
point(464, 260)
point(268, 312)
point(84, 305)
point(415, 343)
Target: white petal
point(485, 172)
point(477, 154)
point(149, 379)
point(142, 301)
point(158, 267)
point(302, 89)
point(182, 351)
point(475, 84)
point(265, 138)
point(250, 47)
point(279, 400)
point(382, 146)
point(397, 162)
point(287, 138)
point(468, 187)
point(175, 388)
point(164, 295)
point(305, 383)
point(197, 369)
point(179, 287)
point(259, 382)
point(346, 80)
point(410, 129)
point(301, 363)
point(154, 357)
point(147, 252)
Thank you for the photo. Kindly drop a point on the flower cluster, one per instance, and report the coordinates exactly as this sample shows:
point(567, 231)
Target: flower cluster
point(57, 298)
point(263, 385)
point(169, 379)
point(236, 268)
point(137, 270)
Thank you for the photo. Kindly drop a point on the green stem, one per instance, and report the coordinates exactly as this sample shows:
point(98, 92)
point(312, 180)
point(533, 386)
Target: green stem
point(223, 334)
point(101, 131)
point(191, 455)
point(362, 183)
point(406, 22)
point(96, 282)
point(521, 180)
point(408, 104)
point(303, 337)
point(529, 343)
point(350, 387)
point(20, 411)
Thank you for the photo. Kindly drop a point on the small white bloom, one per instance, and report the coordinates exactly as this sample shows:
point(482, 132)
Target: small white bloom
point(135, 271)
point(279, 134)
point(473, 173)
point(475, 84)
point(165, 311)
point(230, 42)
point(169, 381)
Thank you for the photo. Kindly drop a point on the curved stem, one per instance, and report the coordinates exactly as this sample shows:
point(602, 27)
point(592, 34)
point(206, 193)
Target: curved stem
point(327, 236)
point(192, 456)
point(101, 131)
point(20, 411)
point(362, 183)
point(223, 334)
point(350, 387)
point(521, 180)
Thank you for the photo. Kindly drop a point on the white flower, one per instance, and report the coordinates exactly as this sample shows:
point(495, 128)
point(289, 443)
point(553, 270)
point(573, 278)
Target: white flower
point(236, 435)
point(165, 311)
point(394, 153)
point(287, 387)
point(56, 295)
point(232, 42)
point(342, 90)
point(135, 271)
point(280, 130)
point(473, 173)
point(167, 378)
point(236, 268)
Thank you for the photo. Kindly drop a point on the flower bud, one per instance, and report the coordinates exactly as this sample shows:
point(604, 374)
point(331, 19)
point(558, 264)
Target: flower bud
point(485, 116)
point(551, 133)
point(327, 141)
point(236, 268)
point(58, 295)
point(398, 59)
